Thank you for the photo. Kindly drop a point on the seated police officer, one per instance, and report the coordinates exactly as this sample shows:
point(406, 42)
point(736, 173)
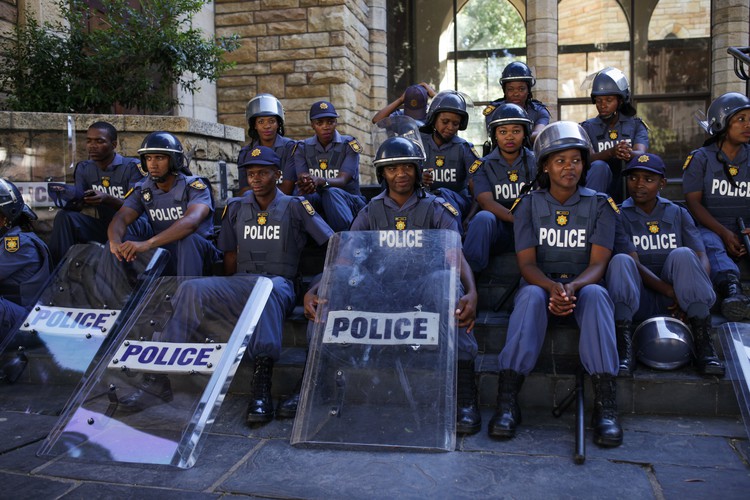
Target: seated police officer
point(405, 205)
point(101, 182)
point(25, 261)
point(179, 208)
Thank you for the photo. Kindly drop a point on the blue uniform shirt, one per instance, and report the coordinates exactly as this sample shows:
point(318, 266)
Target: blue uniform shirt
point(327, 166)
point(628, 128)
point(442, 218)
point(504, 181)
point(116, 180)
point(282, 146)
point(450, 162)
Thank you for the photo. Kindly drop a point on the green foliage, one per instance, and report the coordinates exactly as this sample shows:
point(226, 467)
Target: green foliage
point(490, 24)
point(135, 58)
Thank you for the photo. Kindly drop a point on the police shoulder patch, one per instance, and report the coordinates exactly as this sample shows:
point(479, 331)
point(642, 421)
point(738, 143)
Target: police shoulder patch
point(475, 166)
point(140, 169)
point(355, 146)
point(12, 243)
point(488, 110)
point(198, 184)
point(613, 205)
point(515, 203)
point(451, 208)
point(308, 206)
point(474, 152)
point(687, 161)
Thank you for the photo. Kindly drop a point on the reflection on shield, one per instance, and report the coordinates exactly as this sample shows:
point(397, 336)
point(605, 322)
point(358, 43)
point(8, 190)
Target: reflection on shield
point(381, 367)
point(160, 383)
point(735, 341)
point(78, 313)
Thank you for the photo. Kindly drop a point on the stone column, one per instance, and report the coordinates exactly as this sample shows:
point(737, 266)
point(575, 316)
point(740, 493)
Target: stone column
point(730, 28)
point(541, 50)
point(202, 104)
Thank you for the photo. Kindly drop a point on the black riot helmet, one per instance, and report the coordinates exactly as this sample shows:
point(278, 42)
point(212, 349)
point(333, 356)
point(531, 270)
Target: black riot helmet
point(509, 114)
point(612, 81)
point(164, 143)
point(263, 105)
point(396, 150)
point(722, 109)
point(560, 136)
point(12, 207)
point(517, 71)
point(447, 101)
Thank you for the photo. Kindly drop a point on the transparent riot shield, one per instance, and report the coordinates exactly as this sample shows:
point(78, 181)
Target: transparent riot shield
point(735, 341)
point(159, 386)
point(83, 305)
point(381, 365)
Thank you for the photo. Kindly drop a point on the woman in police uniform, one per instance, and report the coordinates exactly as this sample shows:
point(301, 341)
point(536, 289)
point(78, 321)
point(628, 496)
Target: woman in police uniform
point(564, 239)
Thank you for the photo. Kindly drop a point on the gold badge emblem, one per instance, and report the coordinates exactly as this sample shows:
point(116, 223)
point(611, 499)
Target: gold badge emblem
point(653, 227)
point(323, 164)
point(687, 162)
point(561, 217)
point(12, 243)
point(488, 110)
point(197, 184)
point(262, 218)
point(475, 166)
point(140, 169)
point(308, 206)
point(643, 159)
point(323, 105)
point(400, 223)
point(439, 161)
point(255, 152)
point(513, 176)
point(613, 205)
point(105, 182)
point(733, 170)
point(413, 103)
point(355, 146)
point(146, 194)
point(613, 134)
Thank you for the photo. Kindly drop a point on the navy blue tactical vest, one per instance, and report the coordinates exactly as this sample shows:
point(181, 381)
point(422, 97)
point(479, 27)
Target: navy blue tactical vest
point(654, 238)
point(506, 182)
point(724, 201)
point(115, 183)
point(419, 217)
point(449, 167)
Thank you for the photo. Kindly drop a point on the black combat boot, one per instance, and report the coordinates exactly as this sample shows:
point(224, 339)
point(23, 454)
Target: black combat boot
point(468, 418)
point(508, 414)
point(624, 332)
point(706, 360)
point(260, 409)
point(288, 407)
point(153, 389)
point(735, 305)
point(607, 428)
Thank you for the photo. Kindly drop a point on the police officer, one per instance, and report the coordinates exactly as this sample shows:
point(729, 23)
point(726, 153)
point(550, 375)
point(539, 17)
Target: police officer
point(617, 134)
point(517, 81)
point(265, 121)
point(179, 208)
point(715, 182)
point(414, 102)
point(404, 205)
point(449, 157)
point(102, 180)
point(672, 267)
point(326, 169)
point(25, 261)
point(499, 179)
point(564, 235)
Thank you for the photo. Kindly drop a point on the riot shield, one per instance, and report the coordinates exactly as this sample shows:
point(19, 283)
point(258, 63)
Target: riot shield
point(160, 384)
point(81, 308)
point(735, 341)
point(381, 365)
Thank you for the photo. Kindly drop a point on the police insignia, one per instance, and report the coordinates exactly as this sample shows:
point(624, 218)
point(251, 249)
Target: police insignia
point(262, 218)
point(687, 162)
point(653, 227)
point(140, 169)
point(308, 206)
point(323, 105)
point(146, 195)
point(513, 176)
point(488, 110)
point(613, 205)
point(439, 161)
point(643, 159)
point(12, 243)
point(451, 208)
point(226, 207)
point(475, 153)
point(733, 170)
point(323, 164)
point(197, 184)
point(561, 217)
point(129, 192)
point(514, 204)
point(105, 182)
point(413, 103)
point(475, 166)
point(355, 146)
point(400, 223)
point(613, 134)
point(255, 152)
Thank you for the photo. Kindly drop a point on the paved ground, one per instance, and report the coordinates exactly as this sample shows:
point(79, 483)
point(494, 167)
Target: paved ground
point(662, 457)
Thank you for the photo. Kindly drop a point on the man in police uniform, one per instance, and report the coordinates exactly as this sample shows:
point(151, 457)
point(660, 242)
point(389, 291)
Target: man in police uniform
point(101, 183)
point(672, 267)
point(326, 169)
point(404, 205)
point(25, 261)
point(179, 208)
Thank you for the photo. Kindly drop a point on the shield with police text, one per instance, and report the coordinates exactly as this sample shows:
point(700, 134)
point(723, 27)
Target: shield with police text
point(159, 385)
point(381, 364)
point(77, 313)
point(735, 342)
